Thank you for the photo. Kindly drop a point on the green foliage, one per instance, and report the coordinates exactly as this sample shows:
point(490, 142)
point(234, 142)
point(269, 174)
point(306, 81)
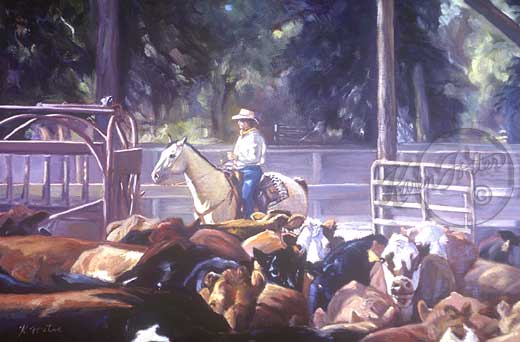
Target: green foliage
point(45, 54)
point(194, 128)
point(484, 55)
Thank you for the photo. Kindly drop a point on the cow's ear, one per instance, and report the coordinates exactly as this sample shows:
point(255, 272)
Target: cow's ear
point(423, 310)
point(355, 318)
point(503, 309)
point(210, 279)
point(33, 220)
point(466, 310)
point(258, 279)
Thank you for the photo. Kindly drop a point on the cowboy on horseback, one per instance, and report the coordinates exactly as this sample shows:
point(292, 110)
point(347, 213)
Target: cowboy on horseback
point(247, 157)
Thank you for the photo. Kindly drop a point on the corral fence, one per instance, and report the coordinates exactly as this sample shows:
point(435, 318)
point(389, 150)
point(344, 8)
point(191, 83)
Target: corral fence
point(29, 163)
point(339, 181)
point(408, 186)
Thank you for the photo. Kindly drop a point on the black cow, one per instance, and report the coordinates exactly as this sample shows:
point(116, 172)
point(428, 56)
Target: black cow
point(284, 267)
point(108, 315)
point(504, 248)
point(346, 262)
point(170, 266)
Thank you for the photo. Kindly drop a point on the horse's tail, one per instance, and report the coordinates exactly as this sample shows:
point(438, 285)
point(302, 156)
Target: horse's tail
point(301, 182)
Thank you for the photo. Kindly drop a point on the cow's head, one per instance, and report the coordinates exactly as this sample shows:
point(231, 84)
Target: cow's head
point(284, 267)
point(171, 162)
point(509, 317)
point(429, 233)
point(234, 294)
point(447, 321)
point(22, 221)
point(401, 266)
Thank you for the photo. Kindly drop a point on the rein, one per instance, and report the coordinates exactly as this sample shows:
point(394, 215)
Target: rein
point(232, 192)
point(212, 208)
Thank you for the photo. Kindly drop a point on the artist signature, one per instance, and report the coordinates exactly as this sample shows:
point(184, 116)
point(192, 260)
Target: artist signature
point(33, 330)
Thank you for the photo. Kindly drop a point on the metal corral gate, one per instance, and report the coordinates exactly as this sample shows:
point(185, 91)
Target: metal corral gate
point(114, 151)
point(391, 179)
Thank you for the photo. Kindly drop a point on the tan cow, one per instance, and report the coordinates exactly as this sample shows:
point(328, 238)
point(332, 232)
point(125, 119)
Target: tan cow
point(431, 329)
point(357, 307)
point(36, 259)
point(480, 318)
point(248, 303)
point(117, 230)
point(509, 323)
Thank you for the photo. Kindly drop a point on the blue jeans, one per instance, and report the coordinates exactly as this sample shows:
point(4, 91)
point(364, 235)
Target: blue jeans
point(251, 175)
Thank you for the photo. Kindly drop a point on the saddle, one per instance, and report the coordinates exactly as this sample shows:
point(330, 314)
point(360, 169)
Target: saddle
point(271, 190)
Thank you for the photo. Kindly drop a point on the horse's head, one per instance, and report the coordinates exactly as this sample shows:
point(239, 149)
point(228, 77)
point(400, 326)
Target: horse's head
point(171, 162)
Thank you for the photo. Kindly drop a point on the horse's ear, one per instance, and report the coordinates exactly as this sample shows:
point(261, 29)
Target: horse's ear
point(182, 141)
point(170, 140)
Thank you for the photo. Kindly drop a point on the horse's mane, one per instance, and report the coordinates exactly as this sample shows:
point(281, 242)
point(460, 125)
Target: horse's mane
point(194, 150)
point(200, 155)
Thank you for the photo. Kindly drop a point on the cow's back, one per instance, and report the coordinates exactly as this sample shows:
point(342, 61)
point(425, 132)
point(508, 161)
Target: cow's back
point(436, 280)
point(490, 281)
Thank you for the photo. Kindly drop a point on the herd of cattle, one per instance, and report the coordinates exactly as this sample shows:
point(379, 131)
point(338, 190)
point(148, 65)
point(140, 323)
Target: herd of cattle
point(275, 277)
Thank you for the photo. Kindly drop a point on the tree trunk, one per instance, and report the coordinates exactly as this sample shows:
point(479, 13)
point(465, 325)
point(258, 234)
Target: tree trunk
point(107, 50)
point(218, 83)
point(496, 17)
point(421, 104)
point(386, 102)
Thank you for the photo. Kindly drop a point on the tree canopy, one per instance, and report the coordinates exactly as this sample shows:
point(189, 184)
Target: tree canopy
point(187, 66)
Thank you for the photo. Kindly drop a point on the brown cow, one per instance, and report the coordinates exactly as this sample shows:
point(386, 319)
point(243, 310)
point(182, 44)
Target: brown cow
point(244, 229)
point(480, 318)
point(462, 254)
point(357, 307)
point(234, 295)
point(36, 259)
point(489, 281)
point(221, 243)
point(21, 221)
point(436, 280)
point(432, 329)
point(246, 302)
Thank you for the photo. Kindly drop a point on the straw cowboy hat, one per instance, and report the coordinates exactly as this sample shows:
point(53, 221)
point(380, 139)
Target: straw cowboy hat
point(245, 114)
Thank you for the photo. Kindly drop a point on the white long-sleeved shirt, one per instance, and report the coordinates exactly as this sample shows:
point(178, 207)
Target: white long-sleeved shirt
point(249, 149)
